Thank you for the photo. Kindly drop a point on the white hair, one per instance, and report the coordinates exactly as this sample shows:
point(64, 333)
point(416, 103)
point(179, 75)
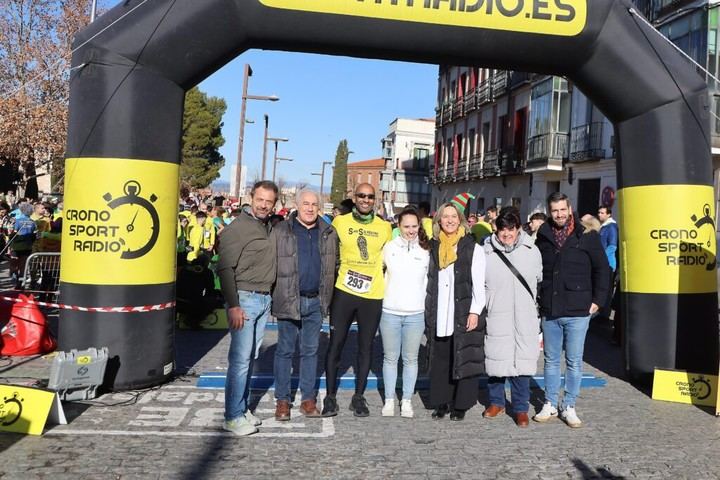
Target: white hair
point(306, 191)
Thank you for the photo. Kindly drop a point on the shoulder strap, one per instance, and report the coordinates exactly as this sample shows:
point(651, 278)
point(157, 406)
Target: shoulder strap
point(514, 271)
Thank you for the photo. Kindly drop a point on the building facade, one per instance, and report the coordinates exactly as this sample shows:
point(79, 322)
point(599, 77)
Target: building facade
point(364, 171)
point(407, 150)
point(512, 138)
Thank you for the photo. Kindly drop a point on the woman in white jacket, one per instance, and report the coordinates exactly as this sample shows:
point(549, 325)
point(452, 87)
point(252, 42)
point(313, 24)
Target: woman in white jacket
point(403, 312)
point(511, 343)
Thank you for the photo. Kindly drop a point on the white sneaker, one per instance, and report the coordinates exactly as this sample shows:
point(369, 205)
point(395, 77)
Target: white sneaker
point(547, 412)
point(252, 419)
point(569, 416)
point(240, 426)
point(406, 409)
point(388, 409)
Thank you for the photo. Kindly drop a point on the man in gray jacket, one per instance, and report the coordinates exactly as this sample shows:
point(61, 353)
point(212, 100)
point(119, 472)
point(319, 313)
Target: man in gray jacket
point(306, 257)
point(247, 272)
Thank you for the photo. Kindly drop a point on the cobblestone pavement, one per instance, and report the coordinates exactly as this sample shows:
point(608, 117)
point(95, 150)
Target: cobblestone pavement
point(173, 432)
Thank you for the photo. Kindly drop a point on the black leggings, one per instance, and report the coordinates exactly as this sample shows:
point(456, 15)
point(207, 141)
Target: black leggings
point(345, 308)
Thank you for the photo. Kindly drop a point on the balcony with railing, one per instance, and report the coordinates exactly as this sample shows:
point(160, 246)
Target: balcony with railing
point(447, 113)
point(432, 177)
point(491, 164)
point(461, 174)
point(511, 161)
point(470, 103)
point(438, 116)
point(500, 82)
point(484, 93)
point(547, 151)
point(586, 143)
point(519, 78)
point(475, 170)
point(457, 110)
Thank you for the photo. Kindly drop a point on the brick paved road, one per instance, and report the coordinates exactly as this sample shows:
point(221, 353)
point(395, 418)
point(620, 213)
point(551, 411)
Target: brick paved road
point(172, 432)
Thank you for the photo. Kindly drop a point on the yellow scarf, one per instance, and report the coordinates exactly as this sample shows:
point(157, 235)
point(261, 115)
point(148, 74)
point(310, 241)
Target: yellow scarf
point(448, 253)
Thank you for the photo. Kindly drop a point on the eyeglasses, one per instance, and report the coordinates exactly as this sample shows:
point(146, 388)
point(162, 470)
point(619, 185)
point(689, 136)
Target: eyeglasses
point(369, 196)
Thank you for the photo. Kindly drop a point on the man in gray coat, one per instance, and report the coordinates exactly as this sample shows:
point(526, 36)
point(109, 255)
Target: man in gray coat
point(247, 272)
point(307, 249)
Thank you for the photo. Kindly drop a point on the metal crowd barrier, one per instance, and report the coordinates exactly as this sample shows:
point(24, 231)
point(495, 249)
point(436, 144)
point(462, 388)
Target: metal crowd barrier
point(42, 276)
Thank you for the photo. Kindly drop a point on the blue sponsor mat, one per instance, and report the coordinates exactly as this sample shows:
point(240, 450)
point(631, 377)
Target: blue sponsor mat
point(347, 382)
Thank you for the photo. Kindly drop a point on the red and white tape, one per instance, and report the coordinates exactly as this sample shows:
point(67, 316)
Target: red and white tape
point(135, 309)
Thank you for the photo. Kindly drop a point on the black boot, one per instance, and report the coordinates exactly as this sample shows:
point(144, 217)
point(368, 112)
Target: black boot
point(358, 406)
point(330, 407)
point(440, 412)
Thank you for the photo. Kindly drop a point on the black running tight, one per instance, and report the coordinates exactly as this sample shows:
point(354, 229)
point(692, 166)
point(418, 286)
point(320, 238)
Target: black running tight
point(346, 308)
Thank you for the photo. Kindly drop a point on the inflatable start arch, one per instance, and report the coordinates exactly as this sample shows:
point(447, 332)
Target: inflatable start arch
point(134, 64)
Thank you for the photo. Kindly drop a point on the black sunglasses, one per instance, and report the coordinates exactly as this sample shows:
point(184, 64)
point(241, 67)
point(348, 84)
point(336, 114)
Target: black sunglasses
point(369, 196)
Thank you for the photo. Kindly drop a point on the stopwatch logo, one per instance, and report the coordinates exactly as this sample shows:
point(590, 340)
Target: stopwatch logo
point(702, 387)
point(362, 247)
point(707, 219)
point(11, 409)
point(137, 242)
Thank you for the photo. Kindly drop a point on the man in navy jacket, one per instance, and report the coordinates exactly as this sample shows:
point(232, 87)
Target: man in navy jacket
point(576, 277)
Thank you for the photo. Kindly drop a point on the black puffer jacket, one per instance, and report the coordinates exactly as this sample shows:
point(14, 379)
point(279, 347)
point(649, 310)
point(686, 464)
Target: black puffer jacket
point(469, 355)
point(286, 292)
point(574, 276)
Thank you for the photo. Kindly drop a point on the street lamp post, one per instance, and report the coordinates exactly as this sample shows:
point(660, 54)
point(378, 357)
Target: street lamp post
point(247, 73)
point(270, 139)
point(322, 180)
point(278, 159)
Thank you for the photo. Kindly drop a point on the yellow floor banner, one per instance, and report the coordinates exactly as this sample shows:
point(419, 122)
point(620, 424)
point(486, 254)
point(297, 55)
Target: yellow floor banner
point(685, 387)
point(26, 409)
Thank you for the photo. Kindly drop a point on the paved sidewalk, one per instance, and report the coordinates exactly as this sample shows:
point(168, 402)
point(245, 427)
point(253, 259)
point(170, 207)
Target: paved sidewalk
point(173, 432)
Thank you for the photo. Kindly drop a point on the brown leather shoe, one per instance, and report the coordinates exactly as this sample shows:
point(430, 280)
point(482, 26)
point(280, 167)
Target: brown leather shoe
point(282, 411)
point(493, 411)
point(522, 420)
point(309, 409)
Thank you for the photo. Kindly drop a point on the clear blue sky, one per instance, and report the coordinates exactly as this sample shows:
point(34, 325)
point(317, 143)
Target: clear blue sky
point(323, 99)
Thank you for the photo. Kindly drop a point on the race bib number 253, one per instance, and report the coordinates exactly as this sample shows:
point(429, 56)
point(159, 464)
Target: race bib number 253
point(357, 282)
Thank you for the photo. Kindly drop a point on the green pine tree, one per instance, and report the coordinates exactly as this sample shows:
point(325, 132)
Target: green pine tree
point(202, 138)
point(339, 181)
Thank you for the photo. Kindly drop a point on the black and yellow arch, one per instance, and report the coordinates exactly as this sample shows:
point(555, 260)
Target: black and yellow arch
point(135, 63)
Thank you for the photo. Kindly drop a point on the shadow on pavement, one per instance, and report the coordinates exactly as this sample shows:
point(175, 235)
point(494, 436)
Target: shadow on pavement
point(588, 472)
point(192, 345)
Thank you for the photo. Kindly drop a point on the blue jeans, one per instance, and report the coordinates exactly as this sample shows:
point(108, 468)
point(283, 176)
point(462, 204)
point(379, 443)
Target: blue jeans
point(519, 391)
point(309, 328)
point(566, 333)
point(401, 332)
point(244, 350)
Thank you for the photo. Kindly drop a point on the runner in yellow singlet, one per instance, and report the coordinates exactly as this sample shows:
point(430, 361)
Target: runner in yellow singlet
point(359, 291)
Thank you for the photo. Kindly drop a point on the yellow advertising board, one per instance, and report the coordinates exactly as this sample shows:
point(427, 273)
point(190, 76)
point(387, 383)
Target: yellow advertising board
point(671, 246)
point(26, 410)
point(685, 387)
point(119, 224)
point(546, 17)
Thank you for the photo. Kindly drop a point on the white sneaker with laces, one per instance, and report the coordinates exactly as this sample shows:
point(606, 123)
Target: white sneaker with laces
point(388, 409)
point(406, 409)
point(240, 427)
point(569, 416)
point(547, 412)
point(252, 419)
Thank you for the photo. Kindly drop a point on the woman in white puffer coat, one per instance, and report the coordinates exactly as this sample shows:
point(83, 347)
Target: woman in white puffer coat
point(511, 344)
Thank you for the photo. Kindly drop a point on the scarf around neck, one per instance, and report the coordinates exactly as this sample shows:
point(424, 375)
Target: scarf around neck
point(561, 234)
point(364, 219)
point(447, 254)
